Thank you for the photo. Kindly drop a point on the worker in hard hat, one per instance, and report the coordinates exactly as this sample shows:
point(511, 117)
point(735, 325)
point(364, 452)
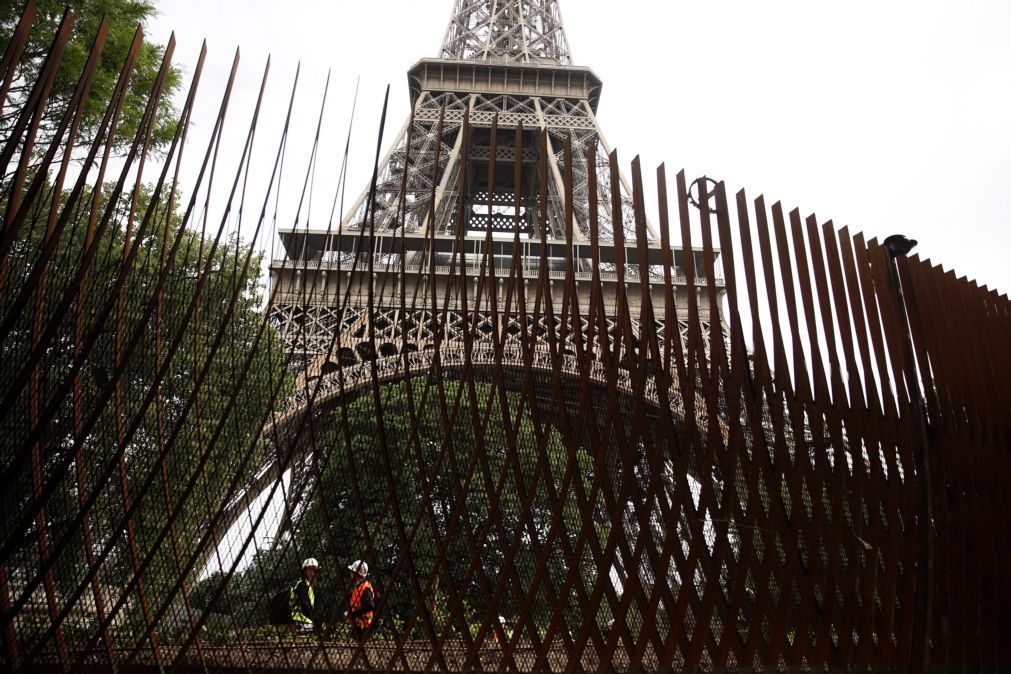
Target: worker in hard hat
point(505, 627)
point(362, 602)
point(302, 599)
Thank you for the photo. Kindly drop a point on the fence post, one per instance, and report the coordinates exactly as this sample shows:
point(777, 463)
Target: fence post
point(899, 246)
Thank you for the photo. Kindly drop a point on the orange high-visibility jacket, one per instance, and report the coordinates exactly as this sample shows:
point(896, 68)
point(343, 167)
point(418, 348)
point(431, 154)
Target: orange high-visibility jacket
point(362, 605)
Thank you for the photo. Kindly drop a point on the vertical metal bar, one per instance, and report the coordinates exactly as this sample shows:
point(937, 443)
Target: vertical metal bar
point(15, 48)
point(74, 110)
point(27, 127)
point(847, 529)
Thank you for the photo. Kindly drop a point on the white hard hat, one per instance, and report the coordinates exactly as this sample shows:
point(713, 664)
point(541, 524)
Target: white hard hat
point(359, 566)
point(310, 562)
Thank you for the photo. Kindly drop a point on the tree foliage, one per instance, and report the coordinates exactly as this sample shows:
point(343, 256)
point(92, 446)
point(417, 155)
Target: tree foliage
point(124, 18)
point(220, 376)
point(350, 515)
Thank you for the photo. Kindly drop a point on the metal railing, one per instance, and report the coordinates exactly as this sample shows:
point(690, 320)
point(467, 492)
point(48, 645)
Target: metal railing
point(528, 271)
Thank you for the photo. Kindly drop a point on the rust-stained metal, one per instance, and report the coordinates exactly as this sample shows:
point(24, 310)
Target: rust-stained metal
point(759, 444)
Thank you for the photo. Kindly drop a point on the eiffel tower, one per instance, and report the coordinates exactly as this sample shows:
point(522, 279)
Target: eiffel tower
point(506, 73)
point(419, 270)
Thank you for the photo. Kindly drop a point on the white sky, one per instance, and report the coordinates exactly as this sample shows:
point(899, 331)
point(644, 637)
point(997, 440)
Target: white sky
point(888, 116)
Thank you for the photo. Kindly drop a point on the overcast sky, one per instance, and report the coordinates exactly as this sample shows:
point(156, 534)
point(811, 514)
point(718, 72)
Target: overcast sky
point(885, 116)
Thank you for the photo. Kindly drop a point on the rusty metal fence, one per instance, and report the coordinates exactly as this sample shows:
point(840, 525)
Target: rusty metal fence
point(788, 450)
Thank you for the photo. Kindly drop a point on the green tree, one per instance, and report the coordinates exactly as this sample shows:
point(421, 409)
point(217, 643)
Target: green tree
point(192, 441)
point(349, 513)
point(124, 18)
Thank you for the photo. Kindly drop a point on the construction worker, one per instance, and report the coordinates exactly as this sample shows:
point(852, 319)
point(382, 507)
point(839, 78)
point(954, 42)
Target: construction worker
point(302, 600)
point(362, 603)
point(505, 627)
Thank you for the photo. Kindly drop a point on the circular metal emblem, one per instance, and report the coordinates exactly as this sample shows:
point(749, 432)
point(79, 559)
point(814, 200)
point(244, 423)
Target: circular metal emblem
point(695, 191)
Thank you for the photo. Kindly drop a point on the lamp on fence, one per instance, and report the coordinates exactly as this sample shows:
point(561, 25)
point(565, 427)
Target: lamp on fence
point(900, 246)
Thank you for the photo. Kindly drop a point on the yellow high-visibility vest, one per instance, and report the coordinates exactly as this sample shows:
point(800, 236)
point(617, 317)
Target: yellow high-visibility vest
point(296, 609)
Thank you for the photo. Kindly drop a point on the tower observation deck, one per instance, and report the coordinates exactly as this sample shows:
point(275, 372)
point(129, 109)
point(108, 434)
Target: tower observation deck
point(504, 82)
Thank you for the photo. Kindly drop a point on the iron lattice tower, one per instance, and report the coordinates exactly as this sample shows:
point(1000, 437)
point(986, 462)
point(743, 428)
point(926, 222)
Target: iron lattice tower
point(385, 284)
point(505, 73)
point(528, 31)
